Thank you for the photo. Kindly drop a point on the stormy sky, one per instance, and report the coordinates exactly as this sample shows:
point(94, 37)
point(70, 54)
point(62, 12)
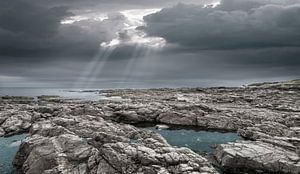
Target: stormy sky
point(148, 43)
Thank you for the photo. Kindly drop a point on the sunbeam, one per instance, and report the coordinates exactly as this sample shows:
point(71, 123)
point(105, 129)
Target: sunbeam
point(139, 60)
point(137, 39)
point(132, 61)
point(99, 66)
point(93, 69)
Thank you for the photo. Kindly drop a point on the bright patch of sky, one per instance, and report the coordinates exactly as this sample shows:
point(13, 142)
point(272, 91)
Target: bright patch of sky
point(213, 4)
point(72, 19)
point(131, 35)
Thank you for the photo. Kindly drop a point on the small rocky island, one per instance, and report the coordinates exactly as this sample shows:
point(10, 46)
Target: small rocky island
point(101, 137)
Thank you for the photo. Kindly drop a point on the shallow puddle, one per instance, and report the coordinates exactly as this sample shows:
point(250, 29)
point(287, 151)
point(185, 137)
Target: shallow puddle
point(8, 149)
point(200, 141)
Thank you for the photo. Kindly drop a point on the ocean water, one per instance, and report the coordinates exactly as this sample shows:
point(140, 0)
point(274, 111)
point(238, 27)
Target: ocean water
point(62, 92)
point(200, 141)
point(8, 149)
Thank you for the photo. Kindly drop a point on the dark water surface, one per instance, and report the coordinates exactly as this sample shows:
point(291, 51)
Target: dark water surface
point(8, 149)
point(200, 141)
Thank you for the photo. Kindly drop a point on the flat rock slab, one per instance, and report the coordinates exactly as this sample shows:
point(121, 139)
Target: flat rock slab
point(257, 156)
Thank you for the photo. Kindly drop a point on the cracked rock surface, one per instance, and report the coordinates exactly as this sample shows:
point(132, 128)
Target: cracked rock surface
point(257, 155)
point(95, 137)
point(89, 144)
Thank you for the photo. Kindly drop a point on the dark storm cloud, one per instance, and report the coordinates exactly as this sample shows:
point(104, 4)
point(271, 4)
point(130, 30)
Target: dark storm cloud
point(232, 25)
point(33, 29)
point(27, 29)
point(35, 32)
point(239, 39)
point(16, 17)
point(113, 5)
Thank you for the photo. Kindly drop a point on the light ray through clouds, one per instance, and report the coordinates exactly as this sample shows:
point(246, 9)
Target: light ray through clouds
point(96, 73)
point(93, 69)
point(129, 35)
point(131, 63)
point(142, 43)
point(134, 70)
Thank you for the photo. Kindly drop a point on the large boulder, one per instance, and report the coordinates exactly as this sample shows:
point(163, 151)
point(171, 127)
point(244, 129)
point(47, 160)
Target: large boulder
point(17, 123)
point(257, 156)
point(65, 153)
point(177, 118)
point(217, 121)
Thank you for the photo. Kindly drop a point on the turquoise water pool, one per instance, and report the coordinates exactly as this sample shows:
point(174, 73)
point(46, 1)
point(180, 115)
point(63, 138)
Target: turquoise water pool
point(8, 149)
point(200, 141)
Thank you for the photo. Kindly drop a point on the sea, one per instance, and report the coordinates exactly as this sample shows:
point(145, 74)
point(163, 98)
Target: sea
point(67, 93)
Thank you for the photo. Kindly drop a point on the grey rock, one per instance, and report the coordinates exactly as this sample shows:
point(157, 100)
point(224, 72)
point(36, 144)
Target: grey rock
point(177, 118)
point(65, 153)
point(257, 155)
point(54, 146)
point(17, 123)
point(2, 132)
point(266, 115)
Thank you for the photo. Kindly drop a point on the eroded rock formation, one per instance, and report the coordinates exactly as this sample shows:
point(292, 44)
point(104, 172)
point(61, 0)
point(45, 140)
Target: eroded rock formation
point(95, 137)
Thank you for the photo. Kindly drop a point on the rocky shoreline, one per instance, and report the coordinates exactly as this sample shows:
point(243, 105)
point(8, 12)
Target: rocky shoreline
point(98, 137)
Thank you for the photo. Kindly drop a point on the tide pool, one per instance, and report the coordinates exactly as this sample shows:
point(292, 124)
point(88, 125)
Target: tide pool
point(8, 149)
point(200, 141)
